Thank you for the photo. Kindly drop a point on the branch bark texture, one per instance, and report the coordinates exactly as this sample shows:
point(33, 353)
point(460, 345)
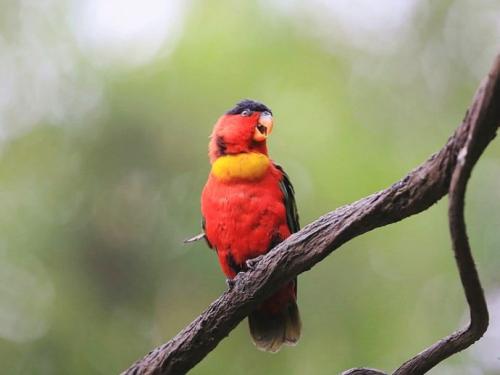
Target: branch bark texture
point(446, 171)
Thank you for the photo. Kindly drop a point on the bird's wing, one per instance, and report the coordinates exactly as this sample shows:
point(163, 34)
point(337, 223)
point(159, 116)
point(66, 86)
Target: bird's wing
point(292, 216)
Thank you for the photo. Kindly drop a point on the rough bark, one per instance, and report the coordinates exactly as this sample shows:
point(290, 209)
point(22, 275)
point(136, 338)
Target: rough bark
point(446, 171)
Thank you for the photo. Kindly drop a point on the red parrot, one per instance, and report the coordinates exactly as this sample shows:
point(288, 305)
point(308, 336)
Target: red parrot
point(248, 207)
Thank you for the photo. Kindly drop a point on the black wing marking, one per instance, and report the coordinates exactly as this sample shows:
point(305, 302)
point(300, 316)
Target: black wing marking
point(292, 216)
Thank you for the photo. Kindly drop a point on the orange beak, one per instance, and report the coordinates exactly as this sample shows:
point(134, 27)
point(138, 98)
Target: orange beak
point(264, 127)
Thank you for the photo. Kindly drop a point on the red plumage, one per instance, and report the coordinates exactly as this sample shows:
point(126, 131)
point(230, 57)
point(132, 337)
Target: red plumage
point(242, 218)
point(245, 217)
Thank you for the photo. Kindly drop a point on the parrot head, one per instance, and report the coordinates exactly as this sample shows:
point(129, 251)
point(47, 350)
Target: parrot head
point(242, 129)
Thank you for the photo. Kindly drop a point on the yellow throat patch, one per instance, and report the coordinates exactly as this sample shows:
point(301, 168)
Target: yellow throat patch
point(244, 166)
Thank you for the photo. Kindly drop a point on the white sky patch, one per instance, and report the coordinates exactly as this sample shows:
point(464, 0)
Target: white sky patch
point(368, 23)
point(128, 32)
point(42, 79)
point(376, 26)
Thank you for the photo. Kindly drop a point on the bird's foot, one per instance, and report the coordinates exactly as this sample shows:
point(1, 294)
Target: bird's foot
point(251, 263)
point(232, 282)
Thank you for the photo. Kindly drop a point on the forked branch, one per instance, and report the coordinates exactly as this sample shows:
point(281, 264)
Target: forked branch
point(467, 158)
point(446, 171)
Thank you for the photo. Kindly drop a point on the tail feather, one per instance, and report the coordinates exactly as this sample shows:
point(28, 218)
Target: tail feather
point(293, 325)
point(271, 330)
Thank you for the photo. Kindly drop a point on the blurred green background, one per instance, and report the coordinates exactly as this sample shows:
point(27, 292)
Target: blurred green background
point(105, 112)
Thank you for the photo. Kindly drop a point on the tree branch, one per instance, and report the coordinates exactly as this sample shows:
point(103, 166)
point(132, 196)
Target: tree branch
point(420, 189)
point(467, 157)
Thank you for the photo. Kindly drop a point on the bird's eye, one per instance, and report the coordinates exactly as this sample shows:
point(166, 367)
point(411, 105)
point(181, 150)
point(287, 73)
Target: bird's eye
point(266, 113)
point(246, 113)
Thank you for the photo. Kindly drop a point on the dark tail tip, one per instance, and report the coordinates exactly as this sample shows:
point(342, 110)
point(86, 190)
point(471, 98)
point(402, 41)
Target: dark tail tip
point(270, 331)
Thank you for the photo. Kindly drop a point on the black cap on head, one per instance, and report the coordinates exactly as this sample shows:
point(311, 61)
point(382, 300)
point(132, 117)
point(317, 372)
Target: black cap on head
point(251, 105)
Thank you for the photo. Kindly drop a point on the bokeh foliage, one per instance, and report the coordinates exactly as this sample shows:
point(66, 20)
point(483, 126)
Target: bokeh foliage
point(102, 165)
